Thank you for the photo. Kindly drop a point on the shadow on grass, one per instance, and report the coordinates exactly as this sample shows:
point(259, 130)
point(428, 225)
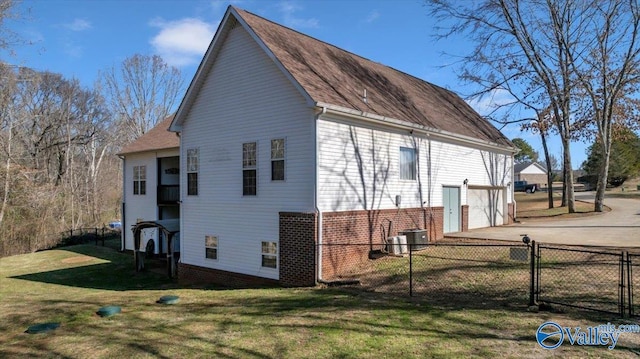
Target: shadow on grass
point(117, 273)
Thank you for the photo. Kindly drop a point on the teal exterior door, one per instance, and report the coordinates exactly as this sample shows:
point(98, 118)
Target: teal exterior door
point(451, 203)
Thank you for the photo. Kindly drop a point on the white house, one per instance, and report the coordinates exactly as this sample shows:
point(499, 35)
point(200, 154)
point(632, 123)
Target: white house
point(532, 172)
point(151, 185)
point(289, 145)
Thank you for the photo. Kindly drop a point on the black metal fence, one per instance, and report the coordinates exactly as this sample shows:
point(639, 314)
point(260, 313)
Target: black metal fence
point(583, 278)
point(492, 273)
point(66, 238)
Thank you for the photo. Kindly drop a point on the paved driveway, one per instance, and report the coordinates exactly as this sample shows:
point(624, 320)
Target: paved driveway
point(620, 227)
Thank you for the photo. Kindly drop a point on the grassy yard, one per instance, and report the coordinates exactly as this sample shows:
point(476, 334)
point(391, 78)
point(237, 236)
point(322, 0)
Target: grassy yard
point(535, 205)
point(69, 285)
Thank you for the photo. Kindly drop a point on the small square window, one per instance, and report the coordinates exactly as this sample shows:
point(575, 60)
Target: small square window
point(211, 247)
point(270, 254)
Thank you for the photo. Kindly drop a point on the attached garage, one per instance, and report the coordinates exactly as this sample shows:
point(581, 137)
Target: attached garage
point(487, 206)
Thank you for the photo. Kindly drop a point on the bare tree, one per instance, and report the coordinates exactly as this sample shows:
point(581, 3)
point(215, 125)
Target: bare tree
point(607, 71)
point(520, 47)
point(142, 91)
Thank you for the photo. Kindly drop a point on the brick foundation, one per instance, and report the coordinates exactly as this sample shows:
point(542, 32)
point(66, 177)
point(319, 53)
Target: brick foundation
point(369, 229)
point(297, 249)
point(189, 274)
point(465, 217)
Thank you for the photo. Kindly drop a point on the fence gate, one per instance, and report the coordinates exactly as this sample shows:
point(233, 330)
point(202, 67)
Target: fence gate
point(588, 279)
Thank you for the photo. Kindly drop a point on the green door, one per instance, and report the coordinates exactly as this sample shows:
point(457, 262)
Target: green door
point(451, 203)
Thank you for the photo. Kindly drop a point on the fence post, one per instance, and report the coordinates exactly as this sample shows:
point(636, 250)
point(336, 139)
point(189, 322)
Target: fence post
point(410, 271)
point(532, 277)
point(630, 284)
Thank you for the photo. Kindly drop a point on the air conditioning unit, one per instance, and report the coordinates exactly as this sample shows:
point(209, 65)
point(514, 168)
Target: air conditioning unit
point(397, 245)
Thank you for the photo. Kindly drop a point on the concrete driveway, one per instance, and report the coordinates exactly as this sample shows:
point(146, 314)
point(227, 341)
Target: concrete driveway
point(618, 228)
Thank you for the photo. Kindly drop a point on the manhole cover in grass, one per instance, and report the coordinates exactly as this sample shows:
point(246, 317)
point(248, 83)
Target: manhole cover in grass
point(42, 328)
point(108, 311)
point(80, 259)
point(168, 299)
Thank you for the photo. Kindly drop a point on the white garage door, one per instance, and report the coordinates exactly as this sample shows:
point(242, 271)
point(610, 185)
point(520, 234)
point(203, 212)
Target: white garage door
point(486, 207)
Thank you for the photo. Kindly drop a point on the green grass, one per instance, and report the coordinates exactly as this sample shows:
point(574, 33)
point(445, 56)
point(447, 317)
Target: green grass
point(69, 285)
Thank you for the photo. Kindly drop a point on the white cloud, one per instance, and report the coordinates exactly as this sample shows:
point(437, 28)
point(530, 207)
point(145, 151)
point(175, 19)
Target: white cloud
point(182, 42)
point(78, 25)
point(288, 10)
point(373, 16)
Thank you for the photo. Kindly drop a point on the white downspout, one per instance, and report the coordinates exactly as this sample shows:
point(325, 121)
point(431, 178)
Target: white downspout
point(315, 192)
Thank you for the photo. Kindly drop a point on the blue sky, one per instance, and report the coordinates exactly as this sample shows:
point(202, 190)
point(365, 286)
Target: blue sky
point(80, 38)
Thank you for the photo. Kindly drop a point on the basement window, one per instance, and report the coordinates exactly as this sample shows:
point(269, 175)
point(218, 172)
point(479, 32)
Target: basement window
point(270, 254)
point(211, 247)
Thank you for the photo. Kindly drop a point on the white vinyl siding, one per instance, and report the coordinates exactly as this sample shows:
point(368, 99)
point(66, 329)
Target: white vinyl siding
point(359, 167)
point(244, 98)
point(143, 207)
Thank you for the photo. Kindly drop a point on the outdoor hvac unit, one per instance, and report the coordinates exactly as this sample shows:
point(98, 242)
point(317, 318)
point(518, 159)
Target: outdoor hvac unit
point(397, 245)
point(416, 238)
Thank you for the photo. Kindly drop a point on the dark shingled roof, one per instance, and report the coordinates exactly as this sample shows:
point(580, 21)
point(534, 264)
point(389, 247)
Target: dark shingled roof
point(337, 77)
point(158, 138)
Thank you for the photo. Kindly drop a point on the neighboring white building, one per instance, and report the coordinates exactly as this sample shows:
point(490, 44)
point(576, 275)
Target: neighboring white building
point(151, 184)
point(532, 172)
point(290, 145)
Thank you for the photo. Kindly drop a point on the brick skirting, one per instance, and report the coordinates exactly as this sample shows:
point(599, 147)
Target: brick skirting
point(190, 274)
point(349, 237)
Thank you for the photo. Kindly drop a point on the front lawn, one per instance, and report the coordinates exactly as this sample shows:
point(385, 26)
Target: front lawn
point(69, 285)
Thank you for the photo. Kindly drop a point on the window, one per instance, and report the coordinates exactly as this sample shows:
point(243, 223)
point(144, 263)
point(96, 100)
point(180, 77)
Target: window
point(211, 247)
point(277, 159)
point(270, 254)
point(407, 163)
point(140, 180)
point(249, 169)
point(193, 166)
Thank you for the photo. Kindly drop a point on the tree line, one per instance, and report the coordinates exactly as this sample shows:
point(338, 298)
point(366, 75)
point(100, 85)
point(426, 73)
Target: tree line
point(59, 140)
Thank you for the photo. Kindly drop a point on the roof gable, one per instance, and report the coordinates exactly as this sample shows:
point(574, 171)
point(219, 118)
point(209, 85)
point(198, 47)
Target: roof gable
point(158, 138)
point(326, 74)
point(519, 167)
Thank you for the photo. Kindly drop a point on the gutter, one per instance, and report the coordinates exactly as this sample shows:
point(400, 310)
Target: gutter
point(319, 113)
point(388, 121)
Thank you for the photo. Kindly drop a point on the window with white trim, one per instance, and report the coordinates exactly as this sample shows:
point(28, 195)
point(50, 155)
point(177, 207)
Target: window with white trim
point(270, 254)
point(277, 159)
point(140, 180)
point(193, 167)
point(407, 163)
point(249, 169)
point(211, 247)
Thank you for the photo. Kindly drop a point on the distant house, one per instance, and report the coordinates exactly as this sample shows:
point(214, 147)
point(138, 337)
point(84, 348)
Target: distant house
point(151, 185)
point(291, 148)
point(532, 172)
